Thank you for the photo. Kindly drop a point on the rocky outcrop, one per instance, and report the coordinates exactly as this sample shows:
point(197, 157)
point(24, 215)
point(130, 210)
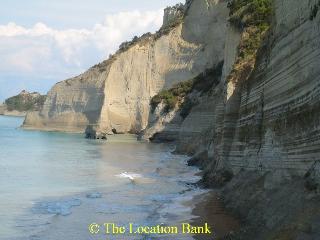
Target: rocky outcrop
point(20, 104)
point(92, 132)
point(115, 95)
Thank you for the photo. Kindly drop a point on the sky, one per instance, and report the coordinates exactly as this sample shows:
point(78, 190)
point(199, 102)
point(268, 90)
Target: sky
point(43, 42)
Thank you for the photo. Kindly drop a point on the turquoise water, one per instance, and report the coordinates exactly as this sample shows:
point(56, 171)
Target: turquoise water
point(52, 185)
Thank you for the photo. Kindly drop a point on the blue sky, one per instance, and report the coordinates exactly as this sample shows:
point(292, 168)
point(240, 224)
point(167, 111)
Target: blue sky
point(43, 42)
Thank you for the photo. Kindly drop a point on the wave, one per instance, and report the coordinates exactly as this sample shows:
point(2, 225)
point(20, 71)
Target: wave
point(131, 176)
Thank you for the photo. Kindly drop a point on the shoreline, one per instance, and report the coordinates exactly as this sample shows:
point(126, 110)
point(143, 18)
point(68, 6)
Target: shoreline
point(42, 129)
point(286, 211)
point(170, 208)
point(210, 209)
point(13, 114)
point(266, 208)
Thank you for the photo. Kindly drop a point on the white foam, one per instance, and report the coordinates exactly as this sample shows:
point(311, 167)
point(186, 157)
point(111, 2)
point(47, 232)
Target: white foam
point(131, 176)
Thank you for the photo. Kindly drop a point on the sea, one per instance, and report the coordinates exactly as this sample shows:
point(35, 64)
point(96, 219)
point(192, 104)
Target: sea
point(59, 186)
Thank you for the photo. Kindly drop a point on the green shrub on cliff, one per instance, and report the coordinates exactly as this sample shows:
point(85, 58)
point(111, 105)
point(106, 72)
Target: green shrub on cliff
point(177, 94)
point(250, 12)
point(25, 102)
point(172, 96)
point(253, 19)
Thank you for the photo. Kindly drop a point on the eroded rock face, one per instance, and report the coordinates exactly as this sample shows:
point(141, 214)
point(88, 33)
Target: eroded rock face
point(115, 95)
point(272, 120)
point(278, 118)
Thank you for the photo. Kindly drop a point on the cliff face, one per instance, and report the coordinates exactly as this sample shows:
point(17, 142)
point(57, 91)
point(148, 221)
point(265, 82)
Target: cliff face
point(256, 133)
point(114, 96)
point(268, 121)
point(271, 121)
point(276, 127)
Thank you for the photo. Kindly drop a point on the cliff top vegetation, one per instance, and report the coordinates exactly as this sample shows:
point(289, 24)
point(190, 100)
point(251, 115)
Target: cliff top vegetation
point(178, 93)
point(25, 102)
point(253, 19)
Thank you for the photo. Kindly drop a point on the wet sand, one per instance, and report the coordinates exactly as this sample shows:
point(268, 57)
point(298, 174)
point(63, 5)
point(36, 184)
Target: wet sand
point(209, 209)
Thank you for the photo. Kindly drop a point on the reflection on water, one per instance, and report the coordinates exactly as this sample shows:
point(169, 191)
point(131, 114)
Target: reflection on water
point(54, 184)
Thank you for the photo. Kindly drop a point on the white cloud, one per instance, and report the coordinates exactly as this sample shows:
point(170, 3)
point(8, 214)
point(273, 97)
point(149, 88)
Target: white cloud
point(44, 50)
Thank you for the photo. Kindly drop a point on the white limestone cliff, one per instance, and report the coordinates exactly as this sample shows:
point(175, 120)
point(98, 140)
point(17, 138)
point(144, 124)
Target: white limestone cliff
point(115, 95)
point(270, 122)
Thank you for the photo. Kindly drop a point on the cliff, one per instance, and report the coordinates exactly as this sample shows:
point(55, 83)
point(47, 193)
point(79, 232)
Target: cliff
point(236, 86)
point(256, 131)
point(261, 111)
point(20, 104)
point(114, 96)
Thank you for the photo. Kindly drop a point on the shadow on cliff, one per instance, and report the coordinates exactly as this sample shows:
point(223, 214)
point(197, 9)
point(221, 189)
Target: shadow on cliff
point(184, 98)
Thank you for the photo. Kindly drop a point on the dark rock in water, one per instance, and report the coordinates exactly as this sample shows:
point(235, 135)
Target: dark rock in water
point(161, 137)
point(101, 136)
point(94, 195)
point(92, 133)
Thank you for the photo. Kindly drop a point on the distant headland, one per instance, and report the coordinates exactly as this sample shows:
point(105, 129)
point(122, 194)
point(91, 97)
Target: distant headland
point(22, 103)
